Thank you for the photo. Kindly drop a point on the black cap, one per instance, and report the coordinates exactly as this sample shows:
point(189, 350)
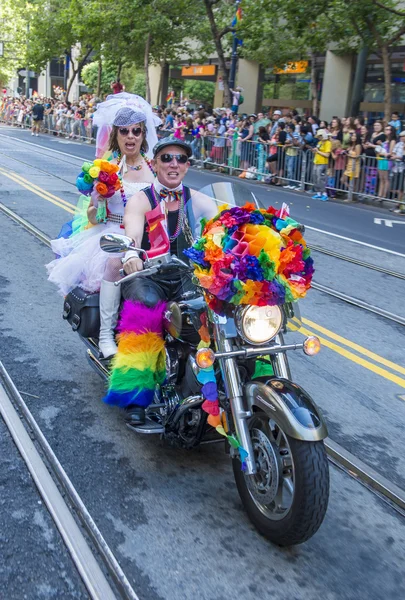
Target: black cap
point(171, 142)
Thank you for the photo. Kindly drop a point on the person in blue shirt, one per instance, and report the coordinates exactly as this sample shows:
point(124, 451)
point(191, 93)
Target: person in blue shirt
point(169, 123)
point(395, 123)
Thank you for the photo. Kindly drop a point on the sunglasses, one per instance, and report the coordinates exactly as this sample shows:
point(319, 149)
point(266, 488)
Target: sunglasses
point(136, 131)
point(181, 158)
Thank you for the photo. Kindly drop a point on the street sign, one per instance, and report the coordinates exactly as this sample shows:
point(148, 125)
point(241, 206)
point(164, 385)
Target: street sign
point(23, 73)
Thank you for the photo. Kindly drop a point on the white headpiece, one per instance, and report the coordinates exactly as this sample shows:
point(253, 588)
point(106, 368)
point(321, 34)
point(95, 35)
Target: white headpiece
point(106, 112)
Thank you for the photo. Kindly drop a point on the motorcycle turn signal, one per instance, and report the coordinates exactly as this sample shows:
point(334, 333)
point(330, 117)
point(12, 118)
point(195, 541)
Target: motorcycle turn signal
point(312, 345)
point(205, 358)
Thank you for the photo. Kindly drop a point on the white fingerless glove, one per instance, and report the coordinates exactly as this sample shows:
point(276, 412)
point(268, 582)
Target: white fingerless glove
point(128, 255)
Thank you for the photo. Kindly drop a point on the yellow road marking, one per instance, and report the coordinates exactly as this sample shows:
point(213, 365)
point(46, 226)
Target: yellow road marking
point(18, 179)
point(357, 359)
point(38, 193)
point(346, 353)
point(354, 346)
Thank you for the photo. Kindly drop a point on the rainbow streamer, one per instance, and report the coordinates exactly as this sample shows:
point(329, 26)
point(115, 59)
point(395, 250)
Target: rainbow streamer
point(139, 364)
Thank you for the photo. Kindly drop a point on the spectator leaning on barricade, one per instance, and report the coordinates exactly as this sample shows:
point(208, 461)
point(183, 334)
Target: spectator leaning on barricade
point(384, 165)
point(321, 159)
point(352, 171)
point(397, 185)
point(292, 143)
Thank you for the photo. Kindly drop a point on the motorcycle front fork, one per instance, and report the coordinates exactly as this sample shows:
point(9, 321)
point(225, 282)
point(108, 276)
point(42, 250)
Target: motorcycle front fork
point(233, 387)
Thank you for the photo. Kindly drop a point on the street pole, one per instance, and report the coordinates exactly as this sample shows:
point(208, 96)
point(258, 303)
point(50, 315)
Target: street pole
point(234, 58)
point(27, 77)
point(358, 83)
point(66, 71)
point(234, 61)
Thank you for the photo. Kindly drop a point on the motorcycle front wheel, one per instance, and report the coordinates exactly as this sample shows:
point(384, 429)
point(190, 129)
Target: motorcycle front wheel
point(287, 498)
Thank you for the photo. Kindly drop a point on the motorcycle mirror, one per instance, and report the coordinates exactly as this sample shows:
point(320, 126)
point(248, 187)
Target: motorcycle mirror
point(114, 242)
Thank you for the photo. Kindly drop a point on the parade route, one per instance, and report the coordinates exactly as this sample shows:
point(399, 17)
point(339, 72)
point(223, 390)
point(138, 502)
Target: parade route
point(173, 518)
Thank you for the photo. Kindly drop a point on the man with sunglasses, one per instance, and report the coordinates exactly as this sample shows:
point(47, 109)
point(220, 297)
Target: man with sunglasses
point(170, 163)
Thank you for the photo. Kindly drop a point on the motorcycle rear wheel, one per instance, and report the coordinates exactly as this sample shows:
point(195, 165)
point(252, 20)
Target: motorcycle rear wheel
point(287, 498)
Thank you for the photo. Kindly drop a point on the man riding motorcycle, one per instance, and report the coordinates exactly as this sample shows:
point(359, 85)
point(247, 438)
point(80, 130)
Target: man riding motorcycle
point(133, 389)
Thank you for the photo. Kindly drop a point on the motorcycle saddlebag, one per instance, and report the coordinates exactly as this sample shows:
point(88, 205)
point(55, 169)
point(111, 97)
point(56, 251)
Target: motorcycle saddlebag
point(81, 310)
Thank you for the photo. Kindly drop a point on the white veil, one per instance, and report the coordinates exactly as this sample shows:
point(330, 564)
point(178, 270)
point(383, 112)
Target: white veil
point(105, 115)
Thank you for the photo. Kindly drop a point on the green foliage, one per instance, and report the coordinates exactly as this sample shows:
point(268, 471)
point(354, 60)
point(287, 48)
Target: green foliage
point(138, 86)
point(90, 76)
point(199, 91)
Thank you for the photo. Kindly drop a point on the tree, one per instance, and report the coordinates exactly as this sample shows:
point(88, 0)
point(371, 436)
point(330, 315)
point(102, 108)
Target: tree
point(276, 32)
point(379, 26)
point(14, 35)
point(220, 15)
point(199, 91)
point(90, 76)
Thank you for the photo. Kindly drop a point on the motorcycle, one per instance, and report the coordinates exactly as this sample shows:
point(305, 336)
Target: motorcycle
point(284, 482)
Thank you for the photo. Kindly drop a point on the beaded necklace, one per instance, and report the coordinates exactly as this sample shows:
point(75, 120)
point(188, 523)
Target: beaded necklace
point(180, 218)
point(120, 177)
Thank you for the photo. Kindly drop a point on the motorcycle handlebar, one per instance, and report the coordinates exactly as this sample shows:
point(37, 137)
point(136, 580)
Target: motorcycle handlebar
point(144, 273)
point(154, 269)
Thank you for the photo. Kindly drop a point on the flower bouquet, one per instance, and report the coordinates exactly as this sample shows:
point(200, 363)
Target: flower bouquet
point(100, 180)
point(251, 256)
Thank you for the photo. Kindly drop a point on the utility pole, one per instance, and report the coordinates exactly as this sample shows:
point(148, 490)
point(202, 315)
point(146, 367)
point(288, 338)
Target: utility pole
point(234, 57)
point(27, 76)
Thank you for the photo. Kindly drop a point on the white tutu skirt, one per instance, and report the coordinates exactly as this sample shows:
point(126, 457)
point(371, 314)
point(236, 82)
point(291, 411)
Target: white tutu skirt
point(82, 262)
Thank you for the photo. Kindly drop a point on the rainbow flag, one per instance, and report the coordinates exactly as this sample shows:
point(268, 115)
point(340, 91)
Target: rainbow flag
point(238, 16)
point(170, 98)
point(237, 20)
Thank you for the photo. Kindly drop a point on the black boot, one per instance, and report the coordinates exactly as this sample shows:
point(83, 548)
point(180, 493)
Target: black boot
point(135, 415)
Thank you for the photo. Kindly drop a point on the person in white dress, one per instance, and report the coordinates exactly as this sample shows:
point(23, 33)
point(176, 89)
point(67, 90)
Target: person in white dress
point(82, 262)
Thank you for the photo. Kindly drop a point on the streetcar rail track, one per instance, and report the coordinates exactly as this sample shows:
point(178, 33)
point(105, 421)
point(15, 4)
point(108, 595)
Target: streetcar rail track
point(358, 303)
point(316, 286)
point(39, 168)
point(338, 455)
point(356, 261)
point(12, 406)
point(312, 247)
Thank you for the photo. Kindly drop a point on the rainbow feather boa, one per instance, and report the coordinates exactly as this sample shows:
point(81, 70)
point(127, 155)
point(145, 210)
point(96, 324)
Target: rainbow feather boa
point(251, 256)
point(139, 364)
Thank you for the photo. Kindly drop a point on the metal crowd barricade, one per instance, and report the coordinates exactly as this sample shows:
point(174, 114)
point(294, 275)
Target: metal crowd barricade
point(361, 178)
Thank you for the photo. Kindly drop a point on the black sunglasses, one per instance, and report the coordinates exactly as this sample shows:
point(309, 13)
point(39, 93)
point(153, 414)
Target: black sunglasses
point(181, 158)
point(135, 131)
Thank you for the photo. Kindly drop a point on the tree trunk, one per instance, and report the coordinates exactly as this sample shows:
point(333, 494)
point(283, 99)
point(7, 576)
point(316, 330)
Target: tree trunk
point(99, 75)
point(76, 70)
point(162, 74)
point(314, 85)
point(387, 82)
point(220, 51)
point(146, 67)
point(120, 65)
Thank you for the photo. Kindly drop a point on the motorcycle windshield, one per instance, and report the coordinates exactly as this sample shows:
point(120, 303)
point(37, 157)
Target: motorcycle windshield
point(204, 204)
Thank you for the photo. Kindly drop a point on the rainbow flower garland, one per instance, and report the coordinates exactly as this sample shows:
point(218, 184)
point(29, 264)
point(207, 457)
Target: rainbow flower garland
point(251, 256)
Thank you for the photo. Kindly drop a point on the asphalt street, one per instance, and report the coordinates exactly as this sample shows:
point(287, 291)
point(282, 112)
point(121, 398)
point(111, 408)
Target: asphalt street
point(174, 519)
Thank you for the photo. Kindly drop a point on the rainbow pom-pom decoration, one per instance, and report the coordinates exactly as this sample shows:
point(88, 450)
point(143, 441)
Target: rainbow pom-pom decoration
point(248, 255)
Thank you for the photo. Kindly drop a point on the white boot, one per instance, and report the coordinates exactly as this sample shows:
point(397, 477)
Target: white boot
point(110, 297)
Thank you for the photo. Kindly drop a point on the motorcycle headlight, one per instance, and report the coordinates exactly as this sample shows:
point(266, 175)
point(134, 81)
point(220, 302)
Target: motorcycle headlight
point(259, 324)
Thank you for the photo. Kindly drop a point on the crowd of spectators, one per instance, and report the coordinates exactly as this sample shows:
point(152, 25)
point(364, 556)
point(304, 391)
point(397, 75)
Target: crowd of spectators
point(298, 152)
point(279, 148)
point(57, 116)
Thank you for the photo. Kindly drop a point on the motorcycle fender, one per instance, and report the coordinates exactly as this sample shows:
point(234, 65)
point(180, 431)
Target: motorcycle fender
point(289, 406)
